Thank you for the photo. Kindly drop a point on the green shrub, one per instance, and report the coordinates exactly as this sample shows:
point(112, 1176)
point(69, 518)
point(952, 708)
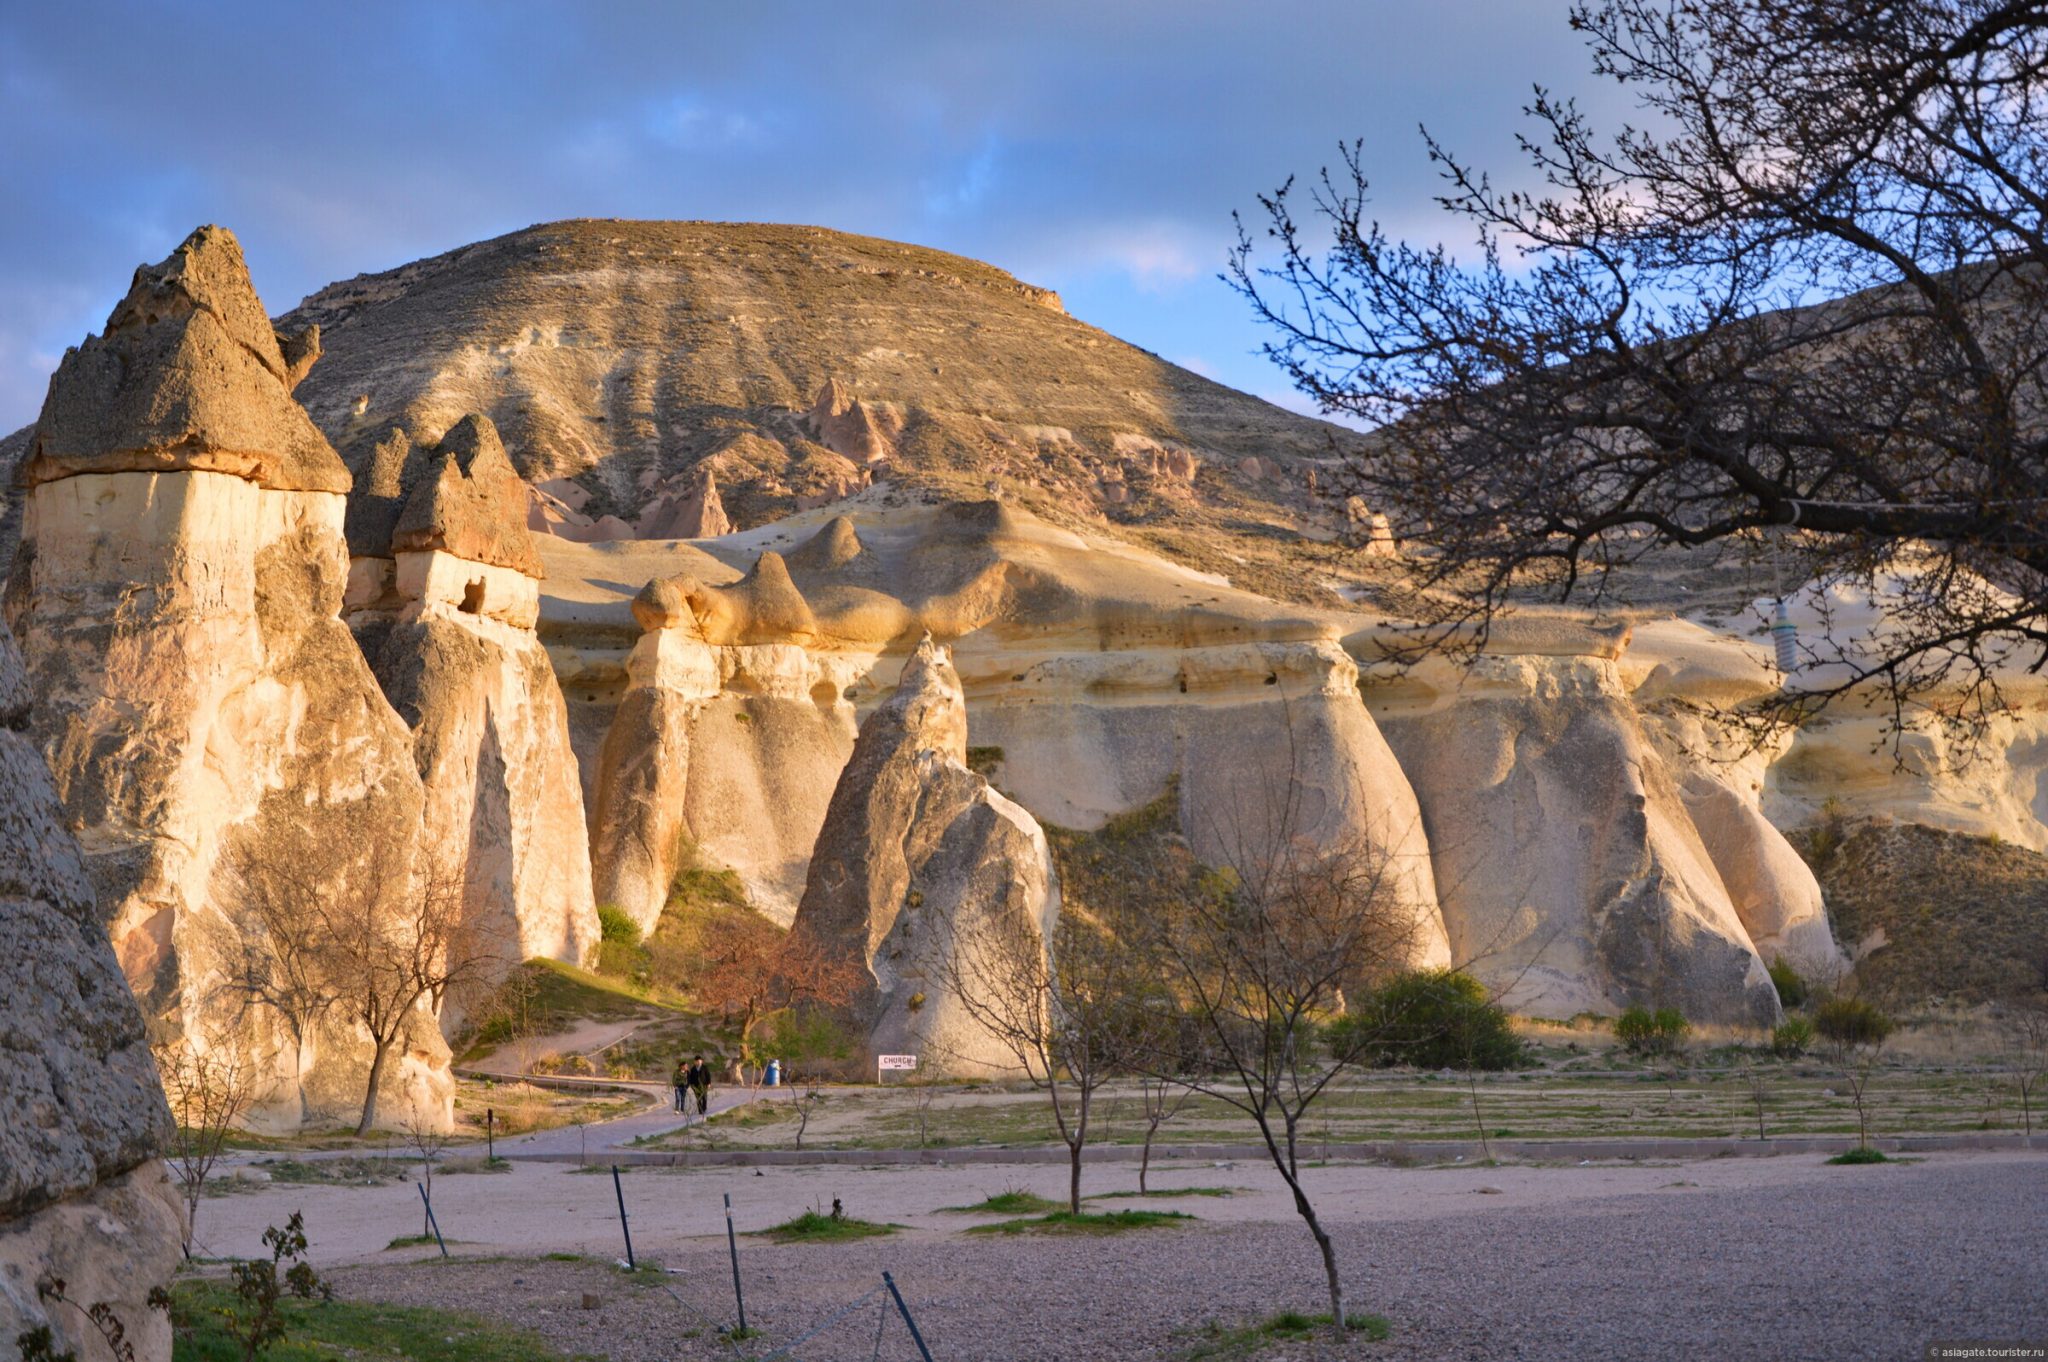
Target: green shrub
point(619, 952)
point(1432, 1019)
point(1851, 1022)
point(1790, 983)
point(616, 926)
point(1645, 1032)
point(1792, 1039)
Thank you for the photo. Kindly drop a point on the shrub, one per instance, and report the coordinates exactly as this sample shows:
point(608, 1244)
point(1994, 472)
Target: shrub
point(1432, 1019)
point(1790, 983)
point(1792, 1039)
point(616, 926)
point(1645, 1032)
point(1850, 1022)
point(619, 952)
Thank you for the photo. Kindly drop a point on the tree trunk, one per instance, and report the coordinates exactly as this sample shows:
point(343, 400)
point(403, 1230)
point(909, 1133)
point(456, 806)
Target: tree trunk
point(1145, 1159)
point(1074, 1176)
point(376, 1078)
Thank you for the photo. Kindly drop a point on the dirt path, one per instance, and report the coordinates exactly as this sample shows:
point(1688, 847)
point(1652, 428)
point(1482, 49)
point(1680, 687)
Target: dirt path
point(1778, 1258)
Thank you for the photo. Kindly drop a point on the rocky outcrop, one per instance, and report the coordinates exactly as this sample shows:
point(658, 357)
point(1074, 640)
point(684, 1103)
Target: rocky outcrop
point(729, 736)
point(83, 1198)
point(445, 590)
point(199, 700)
point(844, 424)
point(1571, 874)
point(687, 507)
point(919, 854)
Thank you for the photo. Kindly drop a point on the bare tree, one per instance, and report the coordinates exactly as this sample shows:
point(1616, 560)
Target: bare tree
point(427, 1139)
point(1160, 1099)
point(1854, 1033)
point(1259, 955)
point(1803, 302)
point(749, 968)
point(391, 955)
point(209, 1085)
point(270, 941)
point(2026, 1025)
point(1062, 1011)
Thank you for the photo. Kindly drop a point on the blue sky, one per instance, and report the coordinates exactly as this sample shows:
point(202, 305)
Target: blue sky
point(1098, 149)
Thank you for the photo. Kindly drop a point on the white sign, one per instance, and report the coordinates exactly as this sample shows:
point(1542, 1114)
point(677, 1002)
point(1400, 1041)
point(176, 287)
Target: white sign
point(884, 1063)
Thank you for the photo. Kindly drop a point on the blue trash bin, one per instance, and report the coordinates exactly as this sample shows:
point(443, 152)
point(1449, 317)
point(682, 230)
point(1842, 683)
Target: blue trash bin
point(774, 1076)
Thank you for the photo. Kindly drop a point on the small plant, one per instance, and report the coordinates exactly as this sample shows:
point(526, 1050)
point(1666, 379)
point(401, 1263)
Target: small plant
point(813, 1227)
point(1644, 1032)
point(1087, 1222)
point(1862, 1153)
point(257, 1320)
point(1011, 1201)
point(1789, 982)
point(1792, 1038)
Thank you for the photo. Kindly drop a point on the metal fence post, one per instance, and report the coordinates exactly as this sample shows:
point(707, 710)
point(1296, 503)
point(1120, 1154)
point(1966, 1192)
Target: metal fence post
point(732, 1243)
point(904, 1310)
point(432, 1222)
point(624, 1228)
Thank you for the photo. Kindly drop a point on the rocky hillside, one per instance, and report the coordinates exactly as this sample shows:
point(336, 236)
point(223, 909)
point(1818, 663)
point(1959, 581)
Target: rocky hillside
point(625, 360)
point(611, 549)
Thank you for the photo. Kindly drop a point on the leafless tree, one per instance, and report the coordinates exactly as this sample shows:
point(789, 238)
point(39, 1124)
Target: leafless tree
point(269, 939)
point(2026, 1026)
point(1259, 955)
point(209, 1084)
point(391, 953)
point(1061, 1010)
point(1160, 1099)
point(427, 1139)
point(1801, 304)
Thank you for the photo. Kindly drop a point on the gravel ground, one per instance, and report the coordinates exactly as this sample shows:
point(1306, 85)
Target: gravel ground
point(1834, 1263)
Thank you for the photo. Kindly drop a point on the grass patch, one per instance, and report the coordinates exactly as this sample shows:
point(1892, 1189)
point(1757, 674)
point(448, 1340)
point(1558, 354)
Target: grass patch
point(1164, 1191)
point(813, 1228)
point(1289, 1326)
point(321, 1331)
point(1087, 1222)
point(411, 1241)
point(1862, 1154)
point(1012, 1202)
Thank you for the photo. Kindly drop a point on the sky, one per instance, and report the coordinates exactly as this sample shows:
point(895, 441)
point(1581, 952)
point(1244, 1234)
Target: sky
point(1095, 148)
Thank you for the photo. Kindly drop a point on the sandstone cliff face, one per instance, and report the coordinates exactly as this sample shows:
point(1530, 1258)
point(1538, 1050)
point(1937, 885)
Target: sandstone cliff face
point(83, 1197)
point(178, 597)
point(444, 594)
point(918, 855)
point(1571, 873)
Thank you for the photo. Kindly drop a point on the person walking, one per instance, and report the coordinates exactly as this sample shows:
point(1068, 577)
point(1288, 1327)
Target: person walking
point(699, 1077)
point(681, 1078)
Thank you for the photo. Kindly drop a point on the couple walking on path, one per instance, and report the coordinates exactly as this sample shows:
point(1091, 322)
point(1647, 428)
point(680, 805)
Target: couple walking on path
point(693, 1079)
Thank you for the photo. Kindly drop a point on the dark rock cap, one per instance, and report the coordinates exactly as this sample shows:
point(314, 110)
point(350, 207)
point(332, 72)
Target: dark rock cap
point(472, 503)
point(189, 374)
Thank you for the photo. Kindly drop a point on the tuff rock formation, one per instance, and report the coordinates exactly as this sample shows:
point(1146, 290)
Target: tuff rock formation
point(199, 701)
point(918, 855)
point(83, 1198)
point(444, 591)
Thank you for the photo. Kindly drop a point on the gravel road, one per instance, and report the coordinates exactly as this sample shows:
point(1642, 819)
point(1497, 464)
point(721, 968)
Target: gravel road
point(1776, 1262)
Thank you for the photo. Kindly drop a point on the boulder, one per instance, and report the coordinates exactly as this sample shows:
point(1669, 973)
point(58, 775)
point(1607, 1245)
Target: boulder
point(917, 855)
point(84, 1198)
point(199, 700)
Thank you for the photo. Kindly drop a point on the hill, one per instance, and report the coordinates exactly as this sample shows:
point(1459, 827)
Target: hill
point(622, 361)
